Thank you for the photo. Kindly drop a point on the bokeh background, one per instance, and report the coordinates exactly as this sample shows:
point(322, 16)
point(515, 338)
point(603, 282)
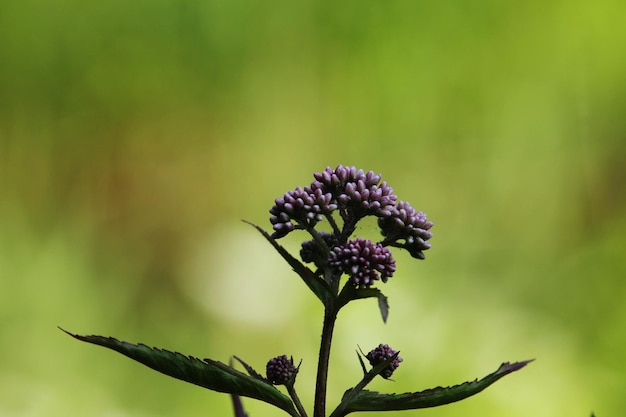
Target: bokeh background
point(135, 135)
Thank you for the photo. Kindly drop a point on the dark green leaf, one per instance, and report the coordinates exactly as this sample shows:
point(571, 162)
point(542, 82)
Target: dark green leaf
point(350, 292)
point(319, 287)
point(374, 401)
point(359, 354)
point(383, 305)
point(368, 376)
point(210, 374)
point(251, 370)
point(236, 399)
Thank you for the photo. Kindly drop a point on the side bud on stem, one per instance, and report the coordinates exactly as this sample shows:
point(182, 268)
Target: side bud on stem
point(379, 355)
point(281, 370)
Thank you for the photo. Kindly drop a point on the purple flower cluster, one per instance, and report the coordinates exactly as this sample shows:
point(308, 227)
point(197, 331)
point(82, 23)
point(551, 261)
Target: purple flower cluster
point(379, 355)
point(357, 190)
point(364, 262)
point(304, 206)
point(354, 194)
point(407, 225)
point(280, 370)
point(312, 252)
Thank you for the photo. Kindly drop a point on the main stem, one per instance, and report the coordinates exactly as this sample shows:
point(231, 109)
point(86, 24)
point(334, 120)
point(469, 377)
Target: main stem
point(330, 315)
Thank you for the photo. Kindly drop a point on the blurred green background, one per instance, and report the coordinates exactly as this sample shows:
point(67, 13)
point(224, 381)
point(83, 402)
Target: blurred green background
point(135, 135)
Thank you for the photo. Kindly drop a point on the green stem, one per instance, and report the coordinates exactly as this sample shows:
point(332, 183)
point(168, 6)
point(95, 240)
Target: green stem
point(330, 315)
point(333, 224)
point(340, 410)
point(296, 399)
point(319, 240)
point(367, 378)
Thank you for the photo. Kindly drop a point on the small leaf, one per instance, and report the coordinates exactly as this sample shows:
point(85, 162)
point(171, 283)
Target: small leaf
point(319, 287)
point(376, 370)
point(374, 401)
point(383, 305)
point(359, 354)
point(210, 374)
point(236, 399)
point(251, 370)
point(368, 376)
point(350, 292)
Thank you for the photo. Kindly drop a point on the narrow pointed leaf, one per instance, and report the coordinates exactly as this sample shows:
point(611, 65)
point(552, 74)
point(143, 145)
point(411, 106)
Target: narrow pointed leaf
point(251, 370)
point(374, 401)
point(368, 376)
point(361, 361)
point(210, 374)
point(236, 399)
point(383, 305)
point(316, 284)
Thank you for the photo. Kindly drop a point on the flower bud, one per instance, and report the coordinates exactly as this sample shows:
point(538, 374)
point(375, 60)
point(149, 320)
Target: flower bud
point(364, 261)
point(280, 370)
point(379, 355)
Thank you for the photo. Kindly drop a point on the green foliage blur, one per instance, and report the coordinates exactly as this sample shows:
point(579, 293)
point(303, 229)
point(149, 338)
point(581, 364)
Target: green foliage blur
point(134, 136)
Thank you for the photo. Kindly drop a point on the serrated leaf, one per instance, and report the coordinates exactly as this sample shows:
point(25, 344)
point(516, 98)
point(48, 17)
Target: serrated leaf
point(236, 400)
point(361, 360)
point(368, 376)
point(374, 401)
point(254, 374)
point(319, 287)
point(210, 374)
point(349, 293)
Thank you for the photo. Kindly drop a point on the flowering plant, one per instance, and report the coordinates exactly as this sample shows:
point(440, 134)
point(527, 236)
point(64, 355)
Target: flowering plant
point(342, 197)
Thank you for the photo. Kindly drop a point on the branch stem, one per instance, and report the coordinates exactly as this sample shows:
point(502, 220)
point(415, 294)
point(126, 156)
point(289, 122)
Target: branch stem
point(296, 399)
point(330, 316)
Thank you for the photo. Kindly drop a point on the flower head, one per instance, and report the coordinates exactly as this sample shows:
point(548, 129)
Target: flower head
point(356, 190)
point(407, 228)
point(379, 355)
point(355, 194)
point(280, 370)
point(364, 261)
point(312, 252)
point(304, 206)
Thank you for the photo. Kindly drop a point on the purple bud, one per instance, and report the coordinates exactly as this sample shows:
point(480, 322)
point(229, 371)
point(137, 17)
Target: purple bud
point(379, 355)
point(406, 228)
point(280, 370)
point(312, 252)
point(364, 261)
point(305, 207)
point(356, 191)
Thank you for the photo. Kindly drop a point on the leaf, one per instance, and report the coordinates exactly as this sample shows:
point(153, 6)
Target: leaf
point(251, 370)
point(236, 399)
point(383, 305)
point(319, 287)
point(361, 360)
point(349, 293)
point(368, 376)
point(210, 374)
point(374, 401)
